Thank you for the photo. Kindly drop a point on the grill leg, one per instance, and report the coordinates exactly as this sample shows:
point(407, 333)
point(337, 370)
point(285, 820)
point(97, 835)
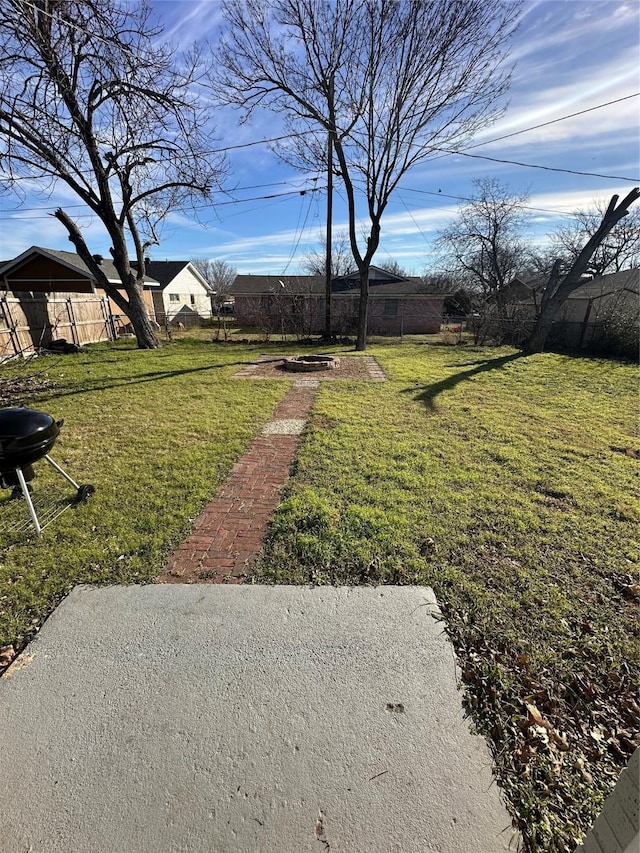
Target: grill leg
point(62, 471)
point(27, 497)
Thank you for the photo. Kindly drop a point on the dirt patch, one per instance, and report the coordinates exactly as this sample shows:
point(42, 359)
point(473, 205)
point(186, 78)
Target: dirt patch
point(323, 422)
point(14, 391)
point(358, 368)
point(632, 452)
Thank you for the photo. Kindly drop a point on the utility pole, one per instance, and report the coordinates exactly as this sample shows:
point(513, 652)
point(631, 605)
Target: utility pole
point(327, 265)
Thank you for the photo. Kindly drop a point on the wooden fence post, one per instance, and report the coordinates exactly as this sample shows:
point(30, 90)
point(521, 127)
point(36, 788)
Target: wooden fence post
point(11, 324)
point(72, 320)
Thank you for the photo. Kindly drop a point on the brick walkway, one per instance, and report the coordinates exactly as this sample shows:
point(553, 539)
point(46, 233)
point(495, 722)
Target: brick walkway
point(227, 536)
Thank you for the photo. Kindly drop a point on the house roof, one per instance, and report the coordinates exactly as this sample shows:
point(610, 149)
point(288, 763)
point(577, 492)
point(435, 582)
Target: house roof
point(592, 288)
point(68, 259)
point(606, 284)
point(164, 272)
point(307, 285)
point(254, 285)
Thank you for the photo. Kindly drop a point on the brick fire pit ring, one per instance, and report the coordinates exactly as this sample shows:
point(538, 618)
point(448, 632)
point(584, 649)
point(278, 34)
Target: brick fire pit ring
point(310, 363)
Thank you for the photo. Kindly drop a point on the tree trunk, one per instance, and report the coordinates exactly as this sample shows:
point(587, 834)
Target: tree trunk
point(538, 338)
point(328, 266)
point(143, 326)
point(363, 310)
point(559, 288)
point(134, 307)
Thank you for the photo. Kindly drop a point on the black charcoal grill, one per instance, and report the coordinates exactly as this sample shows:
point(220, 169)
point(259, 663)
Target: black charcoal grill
point(26, 436)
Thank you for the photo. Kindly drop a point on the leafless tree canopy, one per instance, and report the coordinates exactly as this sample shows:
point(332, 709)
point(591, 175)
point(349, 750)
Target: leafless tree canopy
point(89, 95)
point(314, 262)
point(393, 267)
point(484, 245)
point(218, 273)
point(619, 251)
point(392, 82)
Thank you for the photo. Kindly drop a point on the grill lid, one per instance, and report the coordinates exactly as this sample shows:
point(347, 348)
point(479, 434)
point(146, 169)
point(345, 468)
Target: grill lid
point(25, 435)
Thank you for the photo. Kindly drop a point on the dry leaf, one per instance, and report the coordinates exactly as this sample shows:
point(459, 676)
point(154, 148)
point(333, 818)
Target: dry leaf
point(535, 715)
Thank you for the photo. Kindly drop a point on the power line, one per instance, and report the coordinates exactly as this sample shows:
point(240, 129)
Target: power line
point(300, 189)
point(440, 194)
point(271, 195)
point(553, 121)
point(537, 166)
point(299, 236)
point(218, 204)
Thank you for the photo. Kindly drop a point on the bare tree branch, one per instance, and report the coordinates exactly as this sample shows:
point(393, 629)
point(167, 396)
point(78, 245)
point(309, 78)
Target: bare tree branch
point(392, 81)
point(560, 286)
point(90, 96)
point(620, 250)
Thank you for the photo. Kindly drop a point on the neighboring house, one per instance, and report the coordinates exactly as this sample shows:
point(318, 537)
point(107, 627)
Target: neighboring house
point(594, 300)
point(50, 271)
point(589, 302)
point(586, 302)
point(296, 304)
point(183, 295)
point(591, 311)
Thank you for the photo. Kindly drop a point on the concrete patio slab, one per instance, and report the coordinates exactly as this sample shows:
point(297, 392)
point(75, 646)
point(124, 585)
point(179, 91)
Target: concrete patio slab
point(243, 719)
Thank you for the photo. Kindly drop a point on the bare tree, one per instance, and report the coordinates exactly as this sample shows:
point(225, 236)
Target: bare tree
point(220, 275)
point(484, 245)
point(90, 96)
point(315, 263)
point(484, 249)
point(619, 251)
point(389, 82)
point(394, 267)
point(562, 283)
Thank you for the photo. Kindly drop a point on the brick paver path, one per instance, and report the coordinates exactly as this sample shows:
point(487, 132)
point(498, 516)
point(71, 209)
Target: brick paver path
point(227, 536)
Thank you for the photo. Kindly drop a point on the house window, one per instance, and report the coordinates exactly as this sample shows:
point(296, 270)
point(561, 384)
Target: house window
point(390, 308)
point(174, 297)
point(193, 298)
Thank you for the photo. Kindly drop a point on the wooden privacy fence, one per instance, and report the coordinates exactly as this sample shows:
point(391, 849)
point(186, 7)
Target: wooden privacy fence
point(34, 320)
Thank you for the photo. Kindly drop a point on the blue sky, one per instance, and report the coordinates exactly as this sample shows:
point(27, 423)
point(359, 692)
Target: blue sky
point(570, 56)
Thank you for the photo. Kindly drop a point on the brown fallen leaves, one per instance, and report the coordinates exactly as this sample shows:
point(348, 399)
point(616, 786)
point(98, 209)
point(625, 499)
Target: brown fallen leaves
point(7, 654)
point(14, 390)
point(558, 745)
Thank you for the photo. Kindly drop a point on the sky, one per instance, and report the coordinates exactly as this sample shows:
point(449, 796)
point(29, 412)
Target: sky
point(571, 56)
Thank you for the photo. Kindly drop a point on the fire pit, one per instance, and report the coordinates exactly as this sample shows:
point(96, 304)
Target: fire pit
point(310, 363)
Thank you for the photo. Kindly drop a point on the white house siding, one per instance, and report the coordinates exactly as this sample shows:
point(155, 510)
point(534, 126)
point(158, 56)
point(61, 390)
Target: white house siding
point(190, 292)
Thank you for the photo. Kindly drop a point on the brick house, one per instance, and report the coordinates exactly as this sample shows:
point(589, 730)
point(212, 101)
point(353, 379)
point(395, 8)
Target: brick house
point(296, 304)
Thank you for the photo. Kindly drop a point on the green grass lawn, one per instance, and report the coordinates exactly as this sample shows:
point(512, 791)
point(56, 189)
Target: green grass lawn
point(156, 432)
point(508, 483)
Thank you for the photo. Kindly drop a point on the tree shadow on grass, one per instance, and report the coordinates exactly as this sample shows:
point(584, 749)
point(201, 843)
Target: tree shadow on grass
point(428, 393)
point(122, 381)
